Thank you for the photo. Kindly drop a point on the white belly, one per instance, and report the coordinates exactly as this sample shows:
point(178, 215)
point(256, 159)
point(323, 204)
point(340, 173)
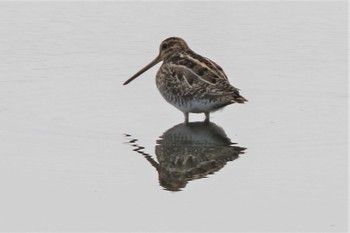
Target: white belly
point(193, 105)
point(197, 106)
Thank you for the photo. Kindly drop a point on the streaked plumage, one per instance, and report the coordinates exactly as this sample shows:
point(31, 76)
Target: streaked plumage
point(190, 82)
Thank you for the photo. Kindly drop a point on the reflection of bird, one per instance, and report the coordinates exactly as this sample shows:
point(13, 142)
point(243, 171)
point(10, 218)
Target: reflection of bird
point(191, 151)
point(190, 82)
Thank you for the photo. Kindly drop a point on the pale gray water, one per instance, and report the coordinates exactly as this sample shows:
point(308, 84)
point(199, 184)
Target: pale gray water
point(65, 161)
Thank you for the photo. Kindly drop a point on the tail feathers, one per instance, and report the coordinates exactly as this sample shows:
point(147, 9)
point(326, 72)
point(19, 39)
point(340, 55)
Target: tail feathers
point(239, 99)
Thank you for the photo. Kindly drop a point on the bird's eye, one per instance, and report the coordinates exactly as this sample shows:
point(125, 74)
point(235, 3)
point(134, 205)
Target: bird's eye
point(164, 46)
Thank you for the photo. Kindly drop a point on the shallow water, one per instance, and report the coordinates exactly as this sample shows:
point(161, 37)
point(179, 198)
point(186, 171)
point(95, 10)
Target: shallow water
point(81, 152)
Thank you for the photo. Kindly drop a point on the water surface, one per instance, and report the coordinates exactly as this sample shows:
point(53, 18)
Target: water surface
point(81, 152)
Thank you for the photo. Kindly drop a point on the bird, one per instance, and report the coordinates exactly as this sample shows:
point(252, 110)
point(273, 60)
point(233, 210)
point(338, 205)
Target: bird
point(190, 82)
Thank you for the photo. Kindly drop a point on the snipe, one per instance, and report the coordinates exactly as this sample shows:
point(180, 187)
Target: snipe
point(190, 82)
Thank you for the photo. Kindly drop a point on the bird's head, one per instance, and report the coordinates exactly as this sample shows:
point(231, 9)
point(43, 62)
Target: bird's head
point(167, 48)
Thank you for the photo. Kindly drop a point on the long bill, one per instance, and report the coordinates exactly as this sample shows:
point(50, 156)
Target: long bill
point(150, 65)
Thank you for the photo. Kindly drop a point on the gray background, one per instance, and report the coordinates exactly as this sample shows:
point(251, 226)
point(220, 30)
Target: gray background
point(65, 164)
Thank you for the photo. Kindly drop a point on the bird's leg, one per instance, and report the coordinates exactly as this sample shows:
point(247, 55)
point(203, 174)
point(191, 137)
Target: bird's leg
point(186, 117)
point(207, 116)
